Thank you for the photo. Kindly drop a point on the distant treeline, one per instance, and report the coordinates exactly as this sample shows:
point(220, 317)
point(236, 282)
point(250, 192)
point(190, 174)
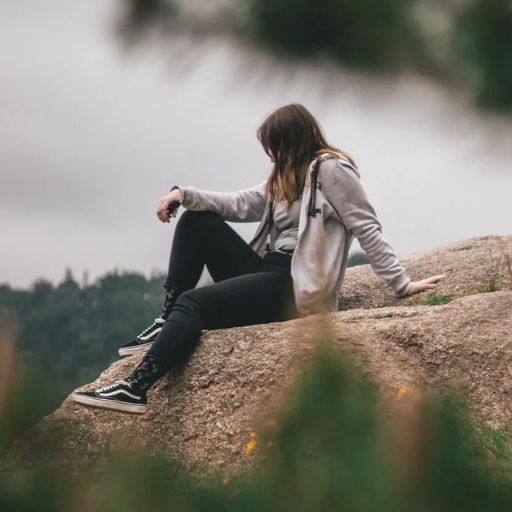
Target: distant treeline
point(72, 332)
point(466, 42)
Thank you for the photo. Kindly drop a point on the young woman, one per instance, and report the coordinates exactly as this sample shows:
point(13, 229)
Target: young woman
point(310, 208)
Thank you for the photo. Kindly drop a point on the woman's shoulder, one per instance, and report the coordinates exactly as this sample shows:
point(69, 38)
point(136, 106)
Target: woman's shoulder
point(337, 165)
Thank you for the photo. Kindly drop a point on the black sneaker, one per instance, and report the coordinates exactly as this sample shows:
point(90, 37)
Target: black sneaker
point(118, 397)
point(144, 340)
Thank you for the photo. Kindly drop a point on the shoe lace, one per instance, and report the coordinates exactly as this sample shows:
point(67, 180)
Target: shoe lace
point(111, 387)
point(156, 321)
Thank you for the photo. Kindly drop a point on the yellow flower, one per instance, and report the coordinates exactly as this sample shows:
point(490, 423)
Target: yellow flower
point(401, 393)
point(250, 447)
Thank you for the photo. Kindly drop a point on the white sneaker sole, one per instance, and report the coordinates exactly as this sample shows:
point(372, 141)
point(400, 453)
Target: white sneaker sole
point(103, 403)
point(128, 351)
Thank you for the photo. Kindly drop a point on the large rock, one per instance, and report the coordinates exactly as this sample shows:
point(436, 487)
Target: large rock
point(204, 413)
point(474, 265)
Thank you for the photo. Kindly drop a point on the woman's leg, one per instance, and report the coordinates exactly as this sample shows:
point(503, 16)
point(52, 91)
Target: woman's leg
point(246, 291)
point(200, 238)
point(261, 297)
point(204, 238)
point(248, 299)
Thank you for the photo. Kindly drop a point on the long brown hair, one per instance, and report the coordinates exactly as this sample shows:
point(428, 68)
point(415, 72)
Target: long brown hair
point(294, 138)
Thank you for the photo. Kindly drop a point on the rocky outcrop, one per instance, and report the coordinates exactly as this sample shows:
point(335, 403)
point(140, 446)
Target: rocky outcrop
point(472, 266)
point(204, 413)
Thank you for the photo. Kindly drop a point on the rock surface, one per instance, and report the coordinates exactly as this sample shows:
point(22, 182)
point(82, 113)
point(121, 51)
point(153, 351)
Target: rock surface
point(471, 266)
point(204, 413)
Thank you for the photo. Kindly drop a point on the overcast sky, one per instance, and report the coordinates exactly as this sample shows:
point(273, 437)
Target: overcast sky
point(91, 137)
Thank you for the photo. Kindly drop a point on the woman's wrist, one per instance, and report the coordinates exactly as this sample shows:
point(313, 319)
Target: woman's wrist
point(408, 290)
point(176, 187)
point(404, 291)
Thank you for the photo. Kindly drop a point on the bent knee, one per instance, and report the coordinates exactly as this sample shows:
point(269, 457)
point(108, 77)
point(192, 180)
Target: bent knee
point(199, 217)
point(199, 214)
point(189, 299)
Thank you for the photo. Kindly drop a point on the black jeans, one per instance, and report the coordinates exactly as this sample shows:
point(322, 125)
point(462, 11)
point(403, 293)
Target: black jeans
point(247, 288)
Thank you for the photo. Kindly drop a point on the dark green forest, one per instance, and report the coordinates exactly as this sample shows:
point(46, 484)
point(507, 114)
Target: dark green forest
point(73, 331)
point(67, 334)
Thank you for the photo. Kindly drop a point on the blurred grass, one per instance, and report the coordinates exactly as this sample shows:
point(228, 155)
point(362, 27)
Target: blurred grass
point(333, 446)
point(436, 300)
point(32, 395)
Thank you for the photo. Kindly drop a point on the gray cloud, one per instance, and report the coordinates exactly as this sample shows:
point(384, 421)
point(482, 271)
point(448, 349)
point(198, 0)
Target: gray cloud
point(91, 137)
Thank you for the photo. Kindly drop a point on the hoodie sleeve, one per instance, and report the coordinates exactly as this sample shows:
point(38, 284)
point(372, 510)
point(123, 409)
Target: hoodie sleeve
point(343, 190)
point(245, 205)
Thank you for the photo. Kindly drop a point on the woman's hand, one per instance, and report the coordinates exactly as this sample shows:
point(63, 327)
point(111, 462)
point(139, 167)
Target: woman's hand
point(165, 201)
point(424, 284)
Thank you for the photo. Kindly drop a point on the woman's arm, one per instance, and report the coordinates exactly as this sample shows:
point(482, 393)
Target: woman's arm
point(343, 190)
point(245, 205)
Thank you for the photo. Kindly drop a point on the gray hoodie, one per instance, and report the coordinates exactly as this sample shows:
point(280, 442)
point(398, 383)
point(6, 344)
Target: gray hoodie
point(329, 219)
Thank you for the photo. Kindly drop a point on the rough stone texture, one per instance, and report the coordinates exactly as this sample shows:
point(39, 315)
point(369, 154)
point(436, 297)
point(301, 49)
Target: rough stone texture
point(205, 413)
point(469, 265)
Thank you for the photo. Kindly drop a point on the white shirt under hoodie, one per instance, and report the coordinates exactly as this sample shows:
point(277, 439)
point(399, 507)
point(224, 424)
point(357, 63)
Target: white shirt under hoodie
point(334, 208)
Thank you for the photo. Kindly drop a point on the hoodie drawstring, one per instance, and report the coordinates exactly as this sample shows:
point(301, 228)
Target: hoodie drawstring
point(271, 219)
point(312, 210)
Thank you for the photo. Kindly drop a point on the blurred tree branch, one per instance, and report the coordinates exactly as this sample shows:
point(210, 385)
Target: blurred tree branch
point(462, 42)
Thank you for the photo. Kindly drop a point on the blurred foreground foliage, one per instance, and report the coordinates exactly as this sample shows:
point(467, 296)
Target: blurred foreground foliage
point(139, 17)
point(466, 42)
point(362, 34)
point(333, 446)
point(483, 44)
